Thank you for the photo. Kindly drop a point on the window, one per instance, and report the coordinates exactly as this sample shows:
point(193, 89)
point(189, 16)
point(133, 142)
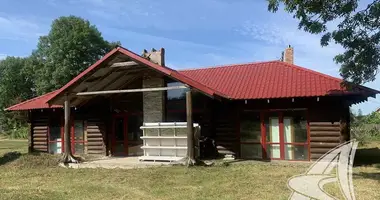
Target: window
point(78, 143)
point(55, 136)
point(295, 135)
point(272, 126)
point(175, 103)
point(286, 135)
point(250, 135)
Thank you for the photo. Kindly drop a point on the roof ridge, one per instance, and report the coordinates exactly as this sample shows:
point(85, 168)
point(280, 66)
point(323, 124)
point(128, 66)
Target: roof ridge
point(310, 71)
point(32, 99)
point(226, 65)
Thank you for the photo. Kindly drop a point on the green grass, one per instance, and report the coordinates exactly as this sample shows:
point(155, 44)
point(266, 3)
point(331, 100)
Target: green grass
point(38, 177)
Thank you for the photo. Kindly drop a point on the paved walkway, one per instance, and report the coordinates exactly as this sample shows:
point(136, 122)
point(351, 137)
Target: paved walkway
point(117, 162)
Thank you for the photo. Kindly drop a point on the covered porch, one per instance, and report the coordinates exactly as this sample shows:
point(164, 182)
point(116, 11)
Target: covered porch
point(105, 106)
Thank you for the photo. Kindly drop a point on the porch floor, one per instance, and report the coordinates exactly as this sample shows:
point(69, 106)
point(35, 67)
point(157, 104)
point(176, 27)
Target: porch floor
point(117, 162)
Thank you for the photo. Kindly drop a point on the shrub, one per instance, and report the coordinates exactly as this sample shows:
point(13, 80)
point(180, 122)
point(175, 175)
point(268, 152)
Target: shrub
point(365, 133)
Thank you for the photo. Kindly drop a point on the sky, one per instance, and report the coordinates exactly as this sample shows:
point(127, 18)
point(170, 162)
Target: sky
point(195, 33)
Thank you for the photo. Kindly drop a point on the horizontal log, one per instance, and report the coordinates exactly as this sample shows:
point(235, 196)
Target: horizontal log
point(94, 139)
point(319, 150)
point(41, 147)
point(40, 139)
point(94, 134)
point(40, 135)
point(325, 133)
point(95, 131)
point(40, 131)
point(130, 90)
point(36, 143)
point(95, 143)
point(324, 124)
point(323, 145)
point(324, 139)
point(39, 128)
point(324, 128)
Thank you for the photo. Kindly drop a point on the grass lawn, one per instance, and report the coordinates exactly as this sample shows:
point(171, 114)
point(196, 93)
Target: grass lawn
point(38, 177)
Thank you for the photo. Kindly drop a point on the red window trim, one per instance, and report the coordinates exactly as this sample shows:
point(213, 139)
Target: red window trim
point(282, 144)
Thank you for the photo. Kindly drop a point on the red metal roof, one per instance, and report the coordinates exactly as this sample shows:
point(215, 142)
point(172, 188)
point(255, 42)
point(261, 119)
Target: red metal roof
point(39, 102)
point(261, 80)
point(166, 70)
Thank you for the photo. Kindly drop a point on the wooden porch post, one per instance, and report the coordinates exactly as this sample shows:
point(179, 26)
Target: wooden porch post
point(30, 132)
point(190, 129)
point(67, 155)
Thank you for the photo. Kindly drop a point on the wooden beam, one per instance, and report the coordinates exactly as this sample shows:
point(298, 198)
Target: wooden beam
point(190, 128)
point(66, 128)
point(124, 64)
point(131, 90)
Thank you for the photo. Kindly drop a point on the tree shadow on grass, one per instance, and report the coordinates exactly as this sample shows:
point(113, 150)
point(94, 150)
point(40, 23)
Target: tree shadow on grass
point(367, 156)
point(9, 157)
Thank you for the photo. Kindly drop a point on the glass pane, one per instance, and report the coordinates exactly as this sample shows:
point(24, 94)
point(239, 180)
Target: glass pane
point(176, 116)
point(78, 130)
point(296, 123)
point(119, 129)
point(250, 127)
point(79, 148)
point(250, 151)
point(296, 152)
point(273, 151)
point(55, 129)
point(55, 147)
point(273, 129)
point(175, 99)
point(134, 124)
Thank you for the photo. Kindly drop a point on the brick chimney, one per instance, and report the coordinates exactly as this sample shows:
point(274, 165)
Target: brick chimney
point(155, 56)
point(288, 55)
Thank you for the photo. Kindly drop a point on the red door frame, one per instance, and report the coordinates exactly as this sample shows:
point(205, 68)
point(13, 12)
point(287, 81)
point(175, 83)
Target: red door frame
point(125, 132)
point(264, 143)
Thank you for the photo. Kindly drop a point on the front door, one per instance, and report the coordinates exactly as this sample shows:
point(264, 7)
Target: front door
point(119, 137)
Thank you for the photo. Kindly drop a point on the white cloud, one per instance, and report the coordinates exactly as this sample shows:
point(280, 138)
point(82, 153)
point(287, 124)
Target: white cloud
point(13, 28)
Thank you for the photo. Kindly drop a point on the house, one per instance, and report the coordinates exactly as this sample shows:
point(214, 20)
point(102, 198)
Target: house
point(263, 110)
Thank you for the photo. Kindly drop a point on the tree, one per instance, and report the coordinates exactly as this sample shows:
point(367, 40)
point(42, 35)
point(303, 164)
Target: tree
point(358, 32)
point(71, 46)
point(15, 86)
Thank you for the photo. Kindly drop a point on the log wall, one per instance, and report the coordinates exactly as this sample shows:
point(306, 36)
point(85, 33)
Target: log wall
point(96, 136)
point(40, 130)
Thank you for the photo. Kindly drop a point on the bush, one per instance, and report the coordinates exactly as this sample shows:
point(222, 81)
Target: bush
point(365, 133)
point(18, 133)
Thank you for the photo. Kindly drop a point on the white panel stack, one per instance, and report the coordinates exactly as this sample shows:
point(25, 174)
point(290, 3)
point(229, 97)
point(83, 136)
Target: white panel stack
point(165, 141)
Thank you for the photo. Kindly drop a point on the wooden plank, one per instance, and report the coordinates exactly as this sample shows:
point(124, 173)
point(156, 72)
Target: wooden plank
point(319, 150)
point(95, 143)
point(43, 135)
point(94, 135)
point(94, 139)
point(324, 133)
point(325, 145)
point(131, 90)
point(324, 139)
point(40, 132)
point(324, 128)
point(324, 124)
point(37, 143)
point(124, 64)
point(40, 139)
point(38, 128)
